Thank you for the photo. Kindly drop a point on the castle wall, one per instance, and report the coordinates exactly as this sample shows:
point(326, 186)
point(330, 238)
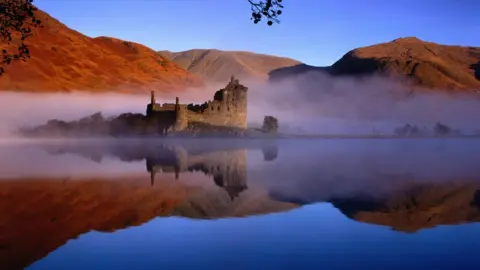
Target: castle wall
point(163, 121)
point(219, 114)
point(161, 118)
point(228, 109)
point(164, 107)
point(181, 117)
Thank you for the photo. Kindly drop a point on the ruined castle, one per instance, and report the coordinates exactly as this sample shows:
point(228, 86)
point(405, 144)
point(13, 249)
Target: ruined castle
point(228, 108)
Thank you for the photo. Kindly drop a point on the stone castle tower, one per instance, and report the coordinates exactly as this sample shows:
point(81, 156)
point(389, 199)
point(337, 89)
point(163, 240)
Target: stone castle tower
point(233, 103)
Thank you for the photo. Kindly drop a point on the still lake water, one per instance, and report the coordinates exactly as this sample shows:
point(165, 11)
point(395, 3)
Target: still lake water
point(240, 204)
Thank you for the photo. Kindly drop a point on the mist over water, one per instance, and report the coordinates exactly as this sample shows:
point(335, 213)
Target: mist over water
point(308, 103)
point(323, 169)
point(25, 109)
point(318, 103)
point(318, 168)
point(29, 160)
point(30, 109)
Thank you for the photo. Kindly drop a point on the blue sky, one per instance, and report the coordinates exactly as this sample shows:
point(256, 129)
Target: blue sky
point(317, 32)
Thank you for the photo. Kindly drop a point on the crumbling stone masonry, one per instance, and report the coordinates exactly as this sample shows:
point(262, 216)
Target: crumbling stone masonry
point(228, 108)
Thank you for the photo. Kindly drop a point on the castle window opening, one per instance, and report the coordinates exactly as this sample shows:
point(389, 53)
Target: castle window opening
point(218, 108)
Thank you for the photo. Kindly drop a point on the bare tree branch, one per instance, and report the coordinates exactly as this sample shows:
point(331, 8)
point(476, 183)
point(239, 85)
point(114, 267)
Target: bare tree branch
point(16, 19)
point(269, 9)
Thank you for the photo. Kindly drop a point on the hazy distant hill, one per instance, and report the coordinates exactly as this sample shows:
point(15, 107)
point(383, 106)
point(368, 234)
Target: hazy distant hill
point(218, 66)
point(63, 59)
point(418, 62)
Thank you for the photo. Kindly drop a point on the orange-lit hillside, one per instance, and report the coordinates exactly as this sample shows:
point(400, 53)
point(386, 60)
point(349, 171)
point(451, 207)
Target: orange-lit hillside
point(63, 59)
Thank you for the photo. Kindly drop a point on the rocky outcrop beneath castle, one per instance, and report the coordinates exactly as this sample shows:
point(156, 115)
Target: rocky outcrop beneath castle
point(199, 129)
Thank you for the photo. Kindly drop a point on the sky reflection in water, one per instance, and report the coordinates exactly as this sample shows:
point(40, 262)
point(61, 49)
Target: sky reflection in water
point(313, 237)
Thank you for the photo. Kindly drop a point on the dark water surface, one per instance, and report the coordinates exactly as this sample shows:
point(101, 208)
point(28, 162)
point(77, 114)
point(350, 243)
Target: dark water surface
point(240, 204)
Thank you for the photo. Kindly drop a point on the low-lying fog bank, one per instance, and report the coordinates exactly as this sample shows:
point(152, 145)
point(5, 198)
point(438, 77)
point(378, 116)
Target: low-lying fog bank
point(312, 103)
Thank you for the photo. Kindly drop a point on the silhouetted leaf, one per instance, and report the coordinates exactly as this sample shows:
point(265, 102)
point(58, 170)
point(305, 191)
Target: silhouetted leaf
point(269, 9)
point(17, 18)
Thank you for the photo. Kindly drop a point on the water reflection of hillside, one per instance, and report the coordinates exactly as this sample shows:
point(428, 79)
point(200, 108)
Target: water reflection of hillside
point(417, 207)
point(40, 215)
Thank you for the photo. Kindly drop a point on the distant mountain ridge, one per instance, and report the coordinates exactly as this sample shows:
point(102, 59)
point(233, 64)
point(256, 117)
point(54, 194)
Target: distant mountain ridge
point(411, 60)
point(217, 66)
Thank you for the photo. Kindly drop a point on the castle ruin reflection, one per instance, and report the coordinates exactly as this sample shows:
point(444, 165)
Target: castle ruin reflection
point(228, 168)
point(225, 161)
